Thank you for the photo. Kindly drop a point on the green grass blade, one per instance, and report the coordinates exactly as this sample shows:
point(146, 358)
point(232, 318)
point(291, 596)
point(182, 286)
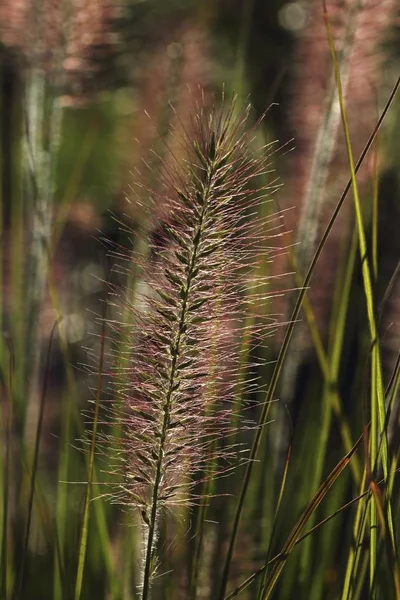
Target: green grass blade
point(6, 475)
point(308, 512)
point(330, 366)
point(377, 388)
point(90, 473)
point(320, 524)
point(278, 505)
point(284, 348)
point(35, 460)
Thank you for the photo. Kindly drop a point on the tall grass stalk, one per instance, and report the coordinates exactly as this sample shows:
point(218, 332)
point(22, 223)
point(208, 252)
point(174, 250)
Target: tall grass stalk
point(4, 567)
point(40, 158)
point(315, 191)
point(71, 417)
point(358, 532)
point(192, 307)
point(365, 261)
point(304, 518)
point(262, 570)
point(330, 387)
point(35, 462)
point(285, 346)
point(377, 390)
point(277, 509)
point(325, 144)
point(329, 363)
point(242, 45)
point(90, 472)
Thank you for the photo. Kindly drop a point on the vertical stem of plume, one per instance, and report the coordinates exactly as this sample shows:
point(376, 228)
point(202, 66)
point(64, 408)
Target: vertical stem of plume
point(152, 525)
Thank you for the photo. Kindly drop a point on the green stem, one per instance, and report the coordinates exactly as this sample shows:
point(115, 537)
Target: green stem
point(168, 401)
point(85, 524)
point(378, 428)
point(36, 460)
point(6, 477)
point(284, 348)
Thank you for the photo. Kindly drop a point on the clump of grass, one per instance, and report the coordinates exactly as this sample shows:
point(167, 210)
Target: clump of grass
point(181, 380)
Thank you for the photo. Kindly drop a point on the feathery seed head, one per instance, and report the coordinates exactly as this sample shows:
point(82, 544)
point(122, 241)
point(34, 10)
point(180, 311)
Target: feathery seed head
point(184, 334)
point(181, 375)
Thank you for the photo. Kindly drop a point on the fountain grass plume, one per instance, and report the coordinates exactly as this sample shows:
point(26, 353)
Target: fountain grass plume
point(181, 365)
